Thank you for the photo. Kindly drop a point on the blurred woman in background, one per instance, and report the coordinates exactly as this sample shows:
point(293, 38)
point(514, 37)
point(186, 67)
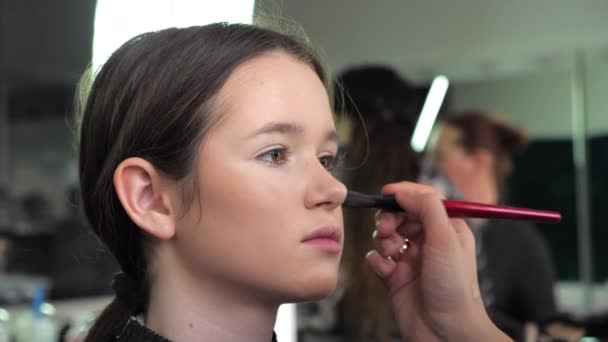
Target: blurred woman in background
point(474, 153)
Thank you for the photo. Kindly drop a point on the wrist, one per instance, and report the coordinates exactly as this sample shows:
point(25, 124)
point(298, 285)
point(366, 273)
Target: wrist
point(480, 328)
point(477, 325)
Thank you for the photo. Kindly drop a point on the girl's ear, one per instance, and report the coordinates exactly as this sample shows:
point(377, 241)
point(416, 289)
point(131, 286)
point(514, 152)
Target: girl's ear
point(145, 197)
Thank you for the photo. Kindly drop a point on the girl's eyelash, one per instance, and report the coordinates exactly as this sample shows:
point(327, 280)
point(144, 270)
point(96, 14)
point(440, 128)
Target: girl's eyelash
point(328, 162)
point(275, 156)
point(335, 162)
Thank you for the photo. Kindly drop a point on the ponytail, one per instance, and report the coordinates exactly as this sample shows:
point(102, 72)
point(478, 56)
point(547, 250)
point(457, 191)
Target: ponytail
point(110, 322)
point(129, 301)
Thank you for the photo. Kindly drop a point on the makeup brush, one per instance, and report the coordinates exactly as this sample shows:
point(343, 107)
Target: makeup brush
point(455, 208)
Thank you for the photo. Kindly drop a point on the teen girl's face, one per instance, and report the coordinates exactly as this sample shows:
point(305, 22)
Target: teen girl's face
point(269, 222)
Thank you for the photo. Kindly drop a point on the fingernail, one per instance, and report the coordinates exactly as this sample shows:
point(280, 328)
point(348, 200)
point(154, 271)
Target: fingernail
point(368, 254)
point(377, 214)
point(379, 220)
point(375, 234)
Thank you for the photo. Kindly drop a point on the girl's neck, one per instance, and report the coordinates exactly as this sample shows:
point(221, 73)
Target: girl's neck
point(185, 308)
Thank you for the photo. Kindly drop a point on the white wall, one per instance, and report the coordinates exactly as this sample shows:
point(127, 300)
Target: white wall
point(466, 39)
point(540, 102)
point(597, 93)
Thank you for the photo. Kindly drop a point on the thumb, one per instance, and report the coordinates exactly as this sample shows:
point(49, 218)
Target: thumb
point(429, 210)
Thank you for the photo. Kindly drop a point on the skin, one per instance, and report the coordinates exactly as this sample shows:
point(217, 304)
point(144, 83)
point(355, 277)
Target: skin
point(472, 172)
point(220, 267)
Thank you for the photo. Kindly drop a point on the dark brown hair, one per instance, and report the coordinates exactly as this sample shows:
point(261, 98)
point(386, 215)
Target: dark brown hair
point(154, 99)
point(380, 105)
point(480, 131)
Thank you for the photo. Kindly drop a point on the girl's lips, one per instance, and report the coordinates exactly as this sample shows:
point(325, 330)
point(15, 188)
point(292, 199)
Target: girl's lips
point(326, 238)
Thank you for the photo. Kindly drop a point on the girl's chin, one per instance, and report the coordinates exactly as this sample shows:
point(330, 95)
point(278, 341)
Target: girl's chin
point(315, 291)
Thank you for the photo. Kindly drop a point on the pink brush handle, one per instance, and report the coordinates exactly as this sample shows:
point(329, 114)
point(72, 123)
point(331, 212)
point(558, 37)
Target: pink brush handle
point(470, 209)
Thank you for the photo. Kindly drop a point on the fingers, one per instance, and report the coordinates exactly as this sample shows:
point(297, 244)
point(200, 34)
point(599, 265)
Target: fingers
point(387, 223)
point(413, 188)
point(424, 204)
point(425, 222)
point(410, 229)
point(383, 267)
point(465, 236)
point(392, 232)
point(395, 261)
point(390, 246)
point(459, 225)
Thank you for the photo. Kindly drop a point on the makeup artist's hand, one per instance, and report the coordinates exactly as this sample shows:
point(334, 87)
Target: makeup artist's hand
point(433, 283)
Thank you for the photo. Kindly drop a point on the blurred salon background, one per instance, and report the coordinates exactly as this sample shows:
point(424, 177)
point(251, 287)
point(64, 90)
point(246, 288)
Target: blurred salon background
point(540, 66)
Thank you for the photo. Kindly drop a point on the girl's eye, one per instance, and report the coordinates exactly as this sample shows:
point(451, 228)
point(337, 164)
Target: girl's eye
point(277, 156)
point(328, 162)
point(333, 162)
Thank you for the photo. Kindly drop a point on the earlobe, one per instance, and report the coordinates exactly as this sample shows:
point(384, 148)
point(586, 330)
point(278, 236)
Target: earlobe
point(144, 197)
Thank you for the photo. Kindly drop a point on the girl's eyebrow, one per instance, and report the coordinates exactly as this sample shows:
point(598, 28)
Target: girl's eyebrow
point(286, 128)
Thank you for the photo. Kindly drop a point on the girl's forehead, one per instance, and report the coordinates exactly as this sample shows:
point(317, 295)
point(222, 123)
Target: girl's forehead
point(274, 86)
